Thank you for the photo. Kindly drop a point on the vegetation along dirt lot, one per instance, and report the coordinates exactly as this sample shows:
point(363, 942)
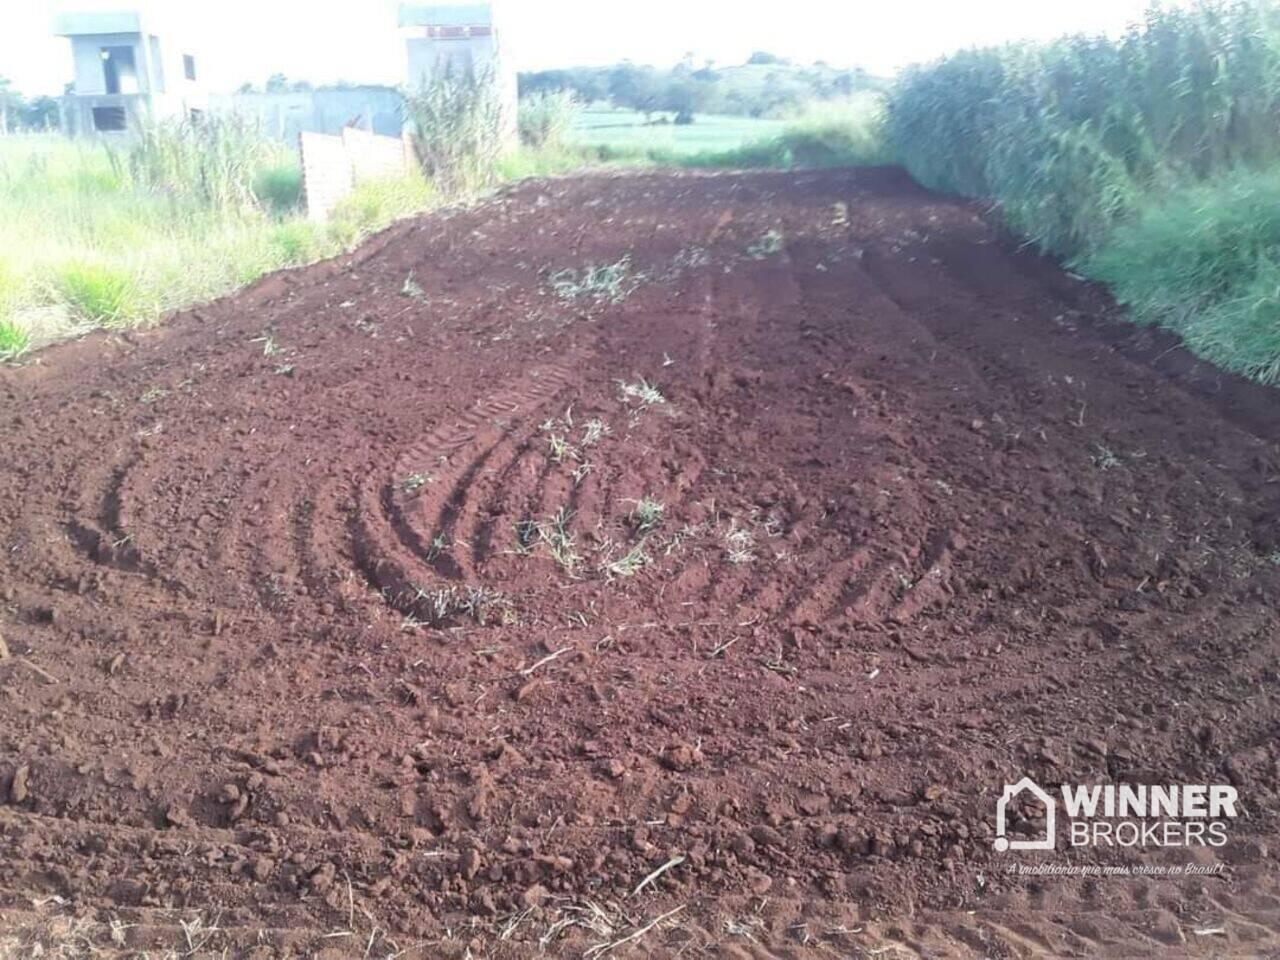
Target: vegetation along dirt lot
point(631, 565)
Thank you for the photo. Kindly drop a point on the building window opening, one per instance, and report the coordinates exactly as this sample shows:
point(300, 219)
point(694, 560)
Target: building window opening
point(109, 119)
point(119, 71)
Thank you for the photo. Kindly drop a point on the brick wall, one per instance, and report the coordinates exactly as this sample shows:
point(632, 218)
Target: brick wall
point(332, 166)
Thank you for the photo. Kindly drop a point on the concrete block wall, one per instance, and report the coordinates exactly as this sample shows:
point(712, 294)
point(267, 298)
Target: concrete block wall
point(332, 166)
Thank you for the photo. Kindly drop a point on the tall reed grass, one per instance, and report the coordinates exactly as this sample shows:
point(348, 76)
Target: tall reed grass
point(1067, 136)
point(545, 118)
point(214, 162)
point(1112, 153)
point(458, 129)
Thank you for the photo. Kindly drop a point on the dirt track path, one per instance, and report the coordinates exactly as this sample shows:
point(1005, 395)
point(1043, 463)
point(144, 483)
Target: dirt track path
point(291, 655)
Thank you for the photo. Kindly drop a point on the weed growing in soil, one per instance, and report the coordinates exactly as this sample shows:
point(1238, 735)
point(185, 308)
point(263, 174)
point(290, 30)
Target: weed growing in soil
point(560, 449)
point(554, 535)
point(414, 482)
point(682, 536)
point(269, 346)
point(559, 433)
point(593, 431)
point(478, 603)
point(646, 514)
point(611, 283)
point(690, 258)
point(766, 246)
point(629, 564)
point(484, 605)
point(642, 391)
point(526, 535)
point(1104, 458)
point(559, 541)
point(412, 289)
point(14, 341)
point(739, 544)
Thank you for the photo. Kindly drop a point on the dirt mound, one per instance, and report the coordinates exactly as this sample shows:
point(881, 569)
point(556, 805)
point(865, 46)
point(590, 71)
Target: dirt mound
point(652, 564)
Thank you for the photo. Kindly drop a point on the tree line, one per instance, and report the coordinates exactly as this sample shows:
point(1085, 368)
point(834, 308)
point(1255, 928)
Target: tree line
point(19, 114)
point(765, 86)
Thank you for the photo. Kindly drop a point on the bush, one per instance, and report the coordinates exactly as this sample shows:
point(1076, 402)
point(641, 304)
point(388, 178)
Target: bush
point(278, 188)
point(545, 118)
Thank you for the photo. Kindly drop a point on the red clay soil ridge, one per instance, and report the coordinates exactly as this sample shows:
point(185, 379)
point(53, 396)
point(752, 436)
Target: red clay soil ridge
point(334, 626)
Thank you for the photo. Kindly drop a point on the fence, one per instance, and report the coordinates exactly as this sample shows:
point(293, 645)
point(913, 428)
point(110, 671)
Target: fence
point(333, 165)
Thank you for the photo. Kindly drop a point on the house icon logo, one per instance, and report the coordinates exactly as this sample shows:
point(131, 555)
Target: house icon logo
point(1002, 842)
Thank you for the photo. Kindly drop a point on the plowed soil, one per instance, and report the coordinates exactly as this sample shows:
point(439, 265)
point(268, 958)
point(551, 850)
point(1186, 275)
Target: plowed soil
point(340, 619)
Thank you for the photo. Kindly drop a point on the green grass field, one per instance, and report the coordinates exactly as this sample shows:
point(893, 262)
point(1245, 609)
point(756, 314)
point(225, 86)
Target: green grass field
point(626, 130)
point(85, 243)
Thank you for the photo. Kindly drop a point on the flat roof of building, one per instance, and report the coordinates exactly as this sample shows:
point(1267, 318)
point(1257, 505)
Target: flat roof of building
point(446, 14)
point(92, 22)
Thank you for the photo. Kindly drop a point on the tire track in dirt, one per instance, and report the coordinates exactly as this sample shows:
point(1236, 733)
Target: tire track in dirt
point(949, 586)
point(429, 493)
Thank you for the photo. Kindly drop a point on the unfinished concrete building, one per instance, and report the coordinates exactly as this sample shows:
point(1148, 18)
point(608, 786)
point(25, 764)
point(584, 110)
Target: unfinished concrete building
point(459, 37)
point(128, 70)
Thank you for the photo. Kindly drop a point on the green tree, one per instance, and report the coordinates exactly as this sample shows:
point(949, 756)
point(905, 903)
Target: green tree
point(42, 113)
point(10, 104)
point(632, 86)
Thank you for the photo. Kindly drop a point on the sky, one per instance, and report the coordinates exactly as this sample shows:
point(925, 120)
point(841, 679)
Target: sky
point(357, 40)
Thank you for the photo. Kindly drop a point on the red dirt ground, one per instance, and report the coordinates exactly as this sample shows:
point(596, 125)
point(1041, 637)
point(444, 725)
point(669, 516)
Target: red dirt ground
point(291, 670)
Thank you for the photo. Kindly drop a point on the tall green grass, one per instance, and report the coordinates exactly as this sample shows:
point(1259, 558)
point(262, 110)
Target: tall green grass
point(93, 236)
point(100, 292)
point(545, 119)
point(1131, 157)
point(1204, 261)
point(1068, 136)
point(14, 340)
point(214, 162)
